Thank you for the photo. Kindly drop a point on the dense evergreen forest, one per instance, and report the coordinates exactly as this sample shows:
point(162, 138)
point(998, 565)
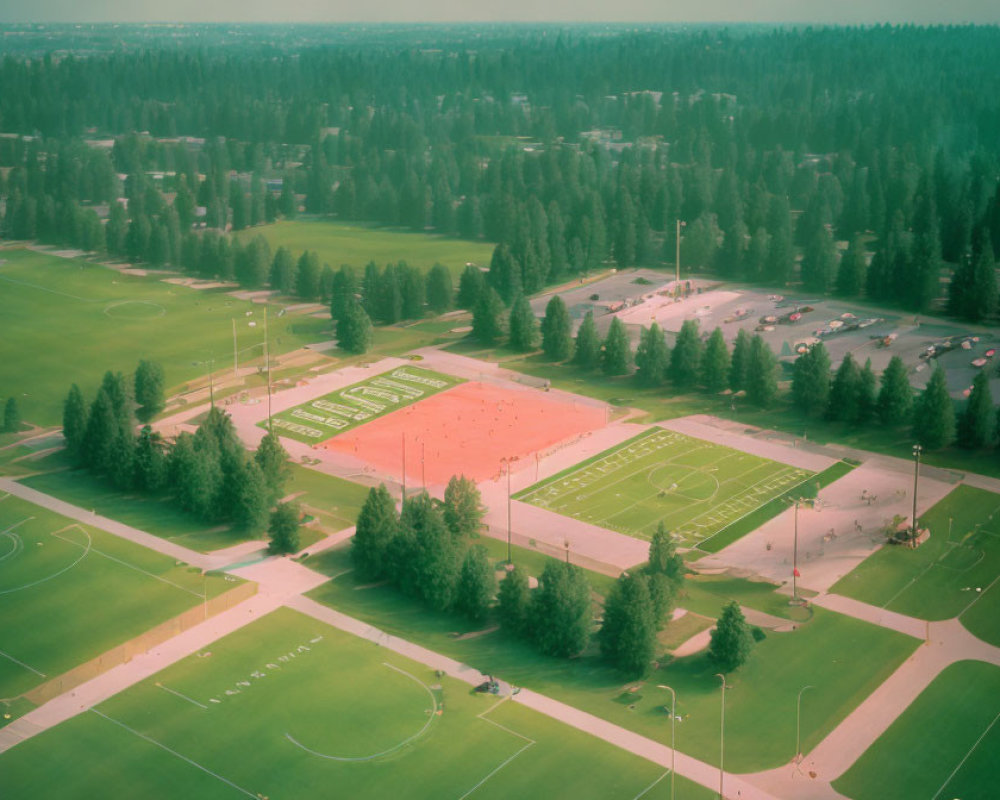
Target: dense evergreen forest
point(861, 161)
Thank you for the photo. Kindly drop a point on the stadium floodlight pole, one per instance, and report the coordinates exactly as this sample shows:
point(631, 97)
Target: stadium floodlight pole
point(236, 361)
point(917, 450)
point(798, 717)
point(423, 473)
point(673, 719)
point(506, 461)
point(722, 737)
point(402, 436)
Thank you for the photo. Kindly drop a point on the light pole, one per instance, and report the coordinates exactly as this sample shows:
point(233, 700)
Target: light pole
point(506, 462)
point(798, 717)
point(795, 552)
point(680, 225)
point(917, 450)
point(210, 363)
point(673, 719)
point(722, 736)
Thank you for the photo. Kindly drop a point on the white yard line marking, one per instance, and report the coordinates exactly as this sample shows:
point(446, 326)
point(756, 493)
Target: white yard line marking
point(960, 763)
point(22, 664)
point(126, 564)
point(181, 696)
point(50, 291)
point(83, 555)
point(646, 790)
point(430, 718)
point(504, 728)
point(177, 755)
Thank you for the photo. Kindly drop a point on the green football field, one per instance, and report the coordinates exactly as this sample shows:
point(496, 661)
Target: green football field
point(354, 405)
point(945, 745)
point(338, 243)
point(694, 487)
point(290, 707)
point(69, 592)
point(68, 321)
point(953, 574)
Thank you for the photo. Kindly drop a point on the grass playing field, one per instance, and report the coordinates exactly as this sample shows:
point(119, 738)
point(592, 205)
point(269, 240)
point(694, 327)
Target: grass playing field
point(694, 487)
point(69, 592)
point(354, 405)
point(953, 574)
point(290, 707)
point(945, 745)
point(68, 321)
point(338, 243)
point(762, 694)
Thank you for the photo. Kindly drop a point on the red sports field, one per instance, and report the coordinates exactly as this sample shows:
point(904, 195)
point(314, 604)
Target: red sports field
point(467, 430)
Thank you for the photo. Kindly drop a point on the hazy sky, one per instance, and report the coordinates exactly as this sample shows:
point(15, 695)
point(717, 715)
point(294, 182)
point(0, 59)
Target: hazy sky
point(824, 11)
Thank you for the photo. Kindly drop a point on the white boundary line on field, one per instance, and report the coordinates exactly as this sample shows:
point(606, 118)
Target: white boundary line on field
point(176, 754)
point(50, 291)
point(504, 728)
point(125, 563)
point(966, 758)
point(430, 718)
point(646, 790)
point(83, 555)
point(22, 664)
point(181, 696)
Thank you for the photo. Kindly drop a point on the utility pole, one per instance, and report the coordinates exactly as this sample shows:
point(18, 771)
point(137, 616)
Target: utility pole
point(236, 366)
point(795, 552)
point(722, 738)
point(917, 450)
point(267, 366)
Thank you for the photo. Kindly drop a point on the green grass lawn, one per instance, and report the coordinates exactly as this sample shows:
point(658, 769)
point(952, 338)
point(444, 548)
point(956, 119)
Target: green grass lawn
point(68, 321)
point(272, 709)
point(945, 745)
point(354, 405)
point(939, 579)
point(69, 592)
point(694, 487)
point(760, 713)
point(334, 501)
point(339, 243)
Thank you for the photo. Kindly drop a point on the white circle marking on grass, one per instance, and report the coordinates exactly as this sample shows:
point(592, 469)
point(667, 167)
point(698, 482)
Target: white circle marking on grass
point(83, 555)
point(391, 750)
point(16, 545)
point(111, 306)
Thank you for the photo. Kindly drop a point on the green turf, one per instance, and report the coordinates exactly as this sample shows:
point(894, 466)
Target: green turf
point(354, 405)
point(333, 501)
point(818, 652)
point(74, 320)
point(945, 745)
point(694, 487)
point(338, 243)
point(69, 592)
point(213, 726)
point(939, 579)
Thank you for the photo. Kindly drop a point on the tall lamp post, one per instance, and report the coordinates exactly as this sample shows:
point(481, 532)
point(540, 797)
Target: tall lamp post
point(673, 719)
point(506, 462)
point(798, 717)
point(917, 450)
point(677, 262)
point(722, 737)
point(795, 553)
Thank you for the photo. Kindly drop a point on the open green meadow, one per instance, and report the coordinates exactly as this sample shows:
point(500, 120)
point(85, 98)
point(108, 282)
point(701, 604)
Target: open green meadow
point(69, 321)
point(354, 405)
point(762, 694)
point(339, 243)
point(945, 745)
point(69, 592)
point(694, 487)
point(290, 707)
point(953, 574)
